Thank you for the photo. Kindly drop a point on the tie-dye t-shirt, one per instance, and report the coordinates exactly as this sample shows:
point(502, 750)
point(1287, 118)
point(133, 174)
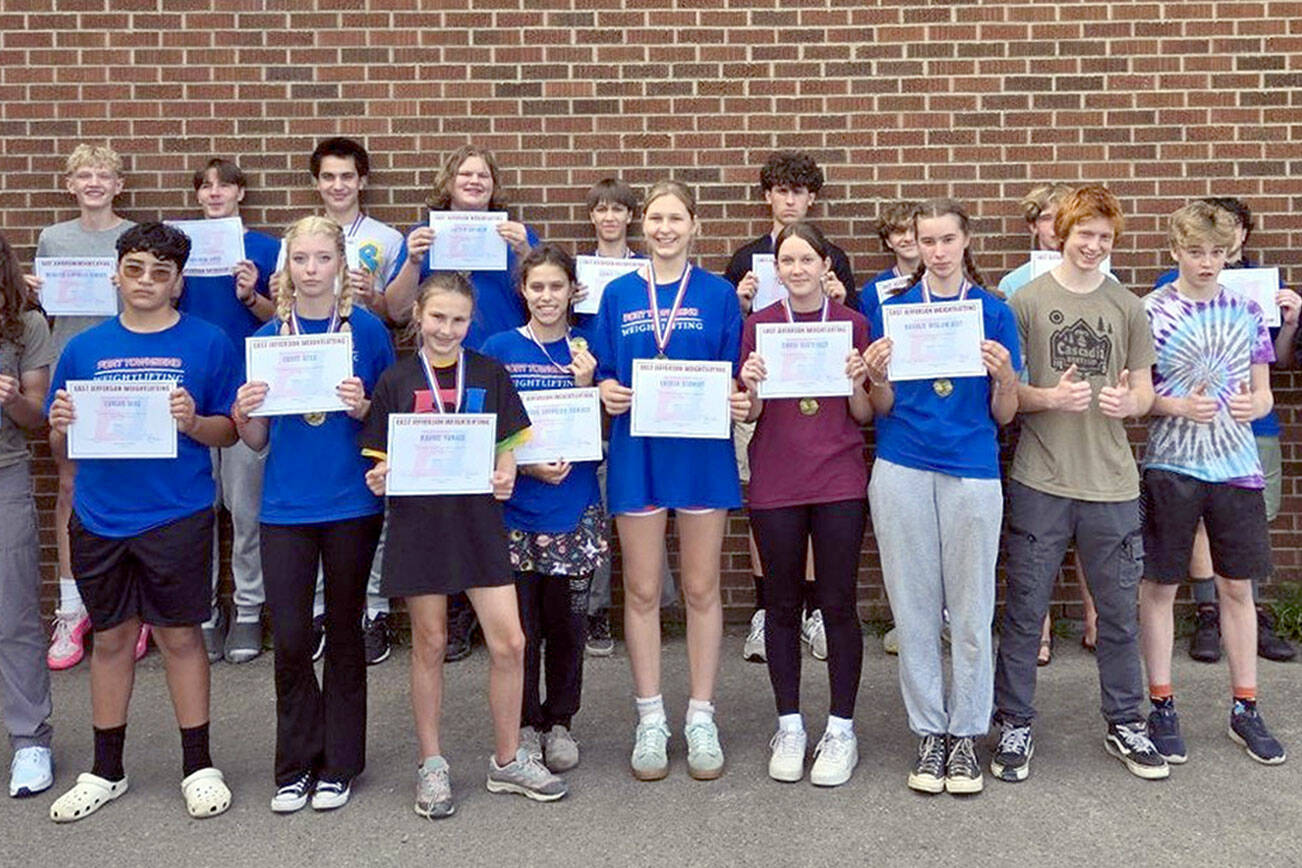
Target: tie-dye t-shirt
point(1212, 342)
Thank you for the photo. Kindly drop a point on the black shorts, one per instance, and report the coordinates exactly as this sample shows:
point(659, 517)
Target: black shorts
point(162, 576)
point(1235, 518)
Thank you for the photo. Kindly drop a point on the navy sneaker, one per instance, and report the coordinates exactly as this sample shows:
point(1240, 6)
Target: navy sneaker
point(1249, 730)
point(1164, 732)
point(1012, 758)
point(1129, 743)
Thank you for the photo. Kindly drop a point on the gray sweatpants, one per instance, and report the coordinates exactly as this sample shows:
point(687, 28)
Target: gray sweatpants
point(1110, 546)
point(237, 471)
point(24, 677)
point(938, 536)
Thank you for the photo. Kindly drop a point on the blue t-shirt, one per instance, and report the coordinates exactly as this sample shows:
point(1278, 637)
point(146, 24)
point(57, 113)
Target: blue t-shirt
point(954, 435)
point(1268, 425)
point(498, 306)
point(213, 298)
point(127, 496)
point(536, 506)
point(868, 300)
point(667, 471)
point(316, 473)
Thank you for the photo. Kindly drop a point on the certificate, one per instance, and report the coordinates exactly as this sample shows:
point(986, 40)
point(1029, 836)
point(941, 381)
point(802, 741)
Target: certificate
point(122, 419)
point(564, 425)
point(433, 453)
point(301, 371)
point(216, 246)
point(768, 291)
point(892, 287)
point(681, 399)
point(940, 339)
point(594, 272)
point(1259, 284)
point(1047, 260)
point(805, 359)
point(467, 241)
point(78, 286)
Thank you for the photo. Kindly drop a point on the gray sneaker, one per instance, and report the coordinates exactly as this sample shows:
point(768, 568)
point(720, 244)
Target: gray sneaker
point(527, 776)
point(531, 741)
point(434, 789)
point(214, 634)
point(244, 641)
point(560, 749)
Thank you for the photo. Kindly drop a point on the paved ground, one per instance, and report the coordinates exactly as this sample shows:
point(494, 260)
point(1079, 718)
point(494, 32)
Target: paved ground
point(1079, 804)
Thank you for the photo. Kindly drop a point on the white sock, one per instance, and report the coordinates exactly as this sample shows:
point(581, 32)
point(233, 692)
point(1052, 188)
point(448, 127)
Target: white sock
point(250, 615)
point(791, 722)
point(700, 711)
point(69, 596)
point(372, 612)
point(650, 709)
point(840, 725)
point(318, 607)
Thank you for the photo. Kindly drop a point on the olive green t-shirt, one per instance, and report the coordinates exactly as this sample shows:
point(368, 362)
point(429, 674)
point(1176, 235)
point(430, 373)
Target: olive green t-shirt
point(36, 351)
point(1084, 456)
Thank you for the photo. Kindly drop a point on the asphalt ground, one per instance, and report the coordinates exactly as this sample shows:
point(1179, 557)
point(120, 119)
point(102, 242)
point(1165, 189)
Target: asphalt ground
point(1079, 805)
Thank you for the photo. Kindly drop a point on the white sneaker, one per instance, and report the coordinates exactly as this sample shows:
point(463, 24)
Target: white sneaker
point(753, 650)
point(891, 641)
point(835, 757)
point(813, 634)
point(31, 771)
point(787, 762)
point(650, 760)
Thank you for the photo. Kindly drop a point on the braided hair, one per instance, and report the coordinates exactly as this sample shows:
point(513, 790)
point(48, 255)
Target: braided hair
point(283, 286)
point(942, 207)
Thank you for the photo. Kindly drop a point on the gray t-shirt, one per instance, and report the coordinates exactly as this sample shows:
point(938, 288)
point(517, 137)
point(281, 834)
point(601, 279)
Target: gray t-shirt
point(70, 239)
point(1084, 456)
point(36, 351)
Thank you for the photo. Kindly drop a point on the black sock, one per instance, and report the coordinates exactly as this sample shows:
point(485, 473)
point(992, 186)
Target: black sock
point(807, 597)
point(108, 752)
point(1165, 702)
point(759, 591)
point(194, 749)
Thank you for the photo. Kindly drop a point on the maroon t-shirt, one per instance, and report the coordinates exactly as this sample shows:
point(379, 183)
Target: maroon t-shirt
point(797, 459)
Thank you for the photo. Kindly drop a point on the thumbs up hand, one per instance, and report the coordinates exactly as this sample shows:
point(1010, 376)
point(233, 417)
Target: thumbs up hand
point(1241, 408)
point(1118, 402)
point(1199, 407)
point(1072, 395)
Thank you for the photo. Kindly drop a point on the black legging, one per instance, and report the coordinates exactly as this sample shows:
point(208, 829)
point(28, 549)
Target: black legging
point(782, 537)
point(319, 729)
point(554, 615)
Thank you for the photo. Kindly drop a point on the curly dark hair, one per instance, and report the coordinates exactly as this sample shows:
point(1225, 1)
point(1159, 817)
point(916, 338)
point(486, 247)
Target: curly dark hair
point(166, 243)
point(791, 169)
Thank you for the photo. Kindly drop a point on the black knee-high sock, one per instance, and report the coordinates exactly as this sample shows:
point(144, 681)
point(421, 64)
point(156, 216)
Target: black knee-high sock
point(108, 752)
point(759, 590)
point(194, 749)
point(807, 599)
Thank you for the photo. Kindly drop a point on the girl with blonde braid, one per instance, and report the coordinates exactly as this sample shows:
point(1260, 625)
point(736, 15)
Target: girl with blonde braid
point(316, 508)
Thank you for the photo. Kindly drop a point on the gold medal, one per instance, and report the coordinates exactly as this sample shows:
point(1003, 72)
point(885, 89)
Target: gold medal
point(943, 387)
point(577, 344)
point(809, 406)
point(314, 419)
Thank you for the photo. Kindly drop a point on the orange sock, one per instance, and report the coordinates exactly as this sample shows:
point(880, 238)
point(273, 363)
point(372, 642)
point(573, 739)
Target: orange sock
point(1158, 692)
point(1246, 693)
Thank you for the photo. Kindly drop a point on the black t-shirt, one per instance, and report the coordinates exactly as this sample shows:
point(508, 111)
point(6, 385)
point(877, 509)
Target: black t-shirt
point(740, 264)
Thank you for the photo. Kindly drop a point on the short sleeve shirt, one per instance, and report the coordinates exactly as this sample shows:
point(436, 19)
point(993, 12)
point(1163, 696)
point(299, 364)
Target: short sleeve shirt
point(35, 351)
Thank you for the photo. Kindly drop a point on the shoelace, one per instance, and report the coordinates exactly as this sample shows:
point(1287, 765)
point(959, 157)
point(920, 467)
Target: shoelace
point(1014, 739)
point(296, 787)
point(962, 758)
point(333, 788)
point(931, 754)
point(534, 771)
point(651, 737)
point(787, 743)
point(1136, 738)
point(62, 629)
point(833, 747)
point(756, 631)
point(435, 785)
point(702, 738)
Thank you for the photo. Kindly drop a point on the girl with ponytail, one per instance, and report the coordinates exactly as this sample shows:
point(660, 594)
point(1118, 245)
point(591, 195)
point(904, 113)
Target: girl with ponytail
point(316, 508)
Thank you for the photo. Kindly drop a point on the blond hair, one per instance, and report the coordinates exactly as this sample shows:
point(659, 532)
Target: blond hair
point(282, 287)
point(87, 154)
point(1202, 221)
point(1041, 196)
point(671, 188)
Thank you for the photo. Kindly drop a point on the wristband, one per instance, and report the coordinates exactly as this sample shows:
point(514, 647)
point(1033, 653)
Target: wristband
point(251, 300)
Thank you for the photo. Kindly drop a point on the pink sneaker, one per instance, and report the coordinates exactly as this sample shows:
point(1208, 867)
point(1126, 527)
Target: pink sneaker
point(67, 639)
point(142, 641)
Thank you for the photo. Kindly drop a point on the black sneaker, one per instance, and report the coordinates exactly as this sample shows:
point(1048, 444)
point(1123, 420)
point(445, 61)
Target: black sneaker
point(1205, 646)
point(1012, 758)
point(962, 771)
point(599, 642)
point(928, 775)
point(1129, 743)
point(1269, 643)
point(1249, 730)
point(1164, 732)
point(375, 637)
point(462, 625)
point(318, 637)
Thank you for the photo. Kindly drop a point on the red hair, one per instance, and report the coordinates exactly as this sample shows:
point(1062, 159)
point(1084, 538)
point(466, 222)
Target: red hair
point(1087, 203)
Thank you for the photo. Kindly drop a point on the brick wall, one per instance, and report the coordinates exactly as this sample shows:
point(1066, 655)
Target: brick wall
point(1162, 100)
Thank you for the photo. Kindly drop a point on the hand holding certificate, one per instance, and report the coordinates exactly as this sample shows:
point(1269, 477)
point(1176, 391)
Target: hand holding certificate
point(804, 360)
point(1258, 284)
point(564, 425)
point(681, 399)
point(941, 339)
point(768, 290)
point(433, 453)
point(121, 419)
point(302, 372)
point(594, 272)
point(77, 286)
point(467, 241)
point(216, 246)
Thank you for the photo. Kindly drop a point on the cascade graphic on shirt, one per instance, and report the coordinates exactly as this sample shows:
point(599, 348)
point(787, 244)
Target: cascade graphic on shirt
point(1088, 347)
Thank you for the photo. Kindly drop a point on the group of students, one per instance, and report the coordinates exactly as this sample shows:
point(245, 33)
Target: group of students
point(1073, 352)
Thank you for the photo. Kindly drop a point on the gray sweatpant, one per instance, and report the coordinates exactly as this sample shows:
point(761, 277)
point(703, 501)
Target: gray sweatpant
point(237, 471)
point(24, 678)
point(938, 536)
point(1110, 546)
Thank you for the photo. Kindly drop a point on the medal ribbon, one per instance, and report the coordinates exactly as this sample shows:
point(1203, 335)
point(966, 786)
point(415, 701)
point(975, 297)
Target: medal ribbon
point(527, 329)
point(662, 338)
point(297, 328)
point(926, 291)
point(791, 317)
point(434, 383)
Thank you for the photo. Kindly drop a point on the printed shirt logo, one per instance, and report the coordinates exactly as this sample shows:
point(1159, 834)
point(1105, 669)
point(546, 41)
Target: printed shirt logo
point(1081, 345)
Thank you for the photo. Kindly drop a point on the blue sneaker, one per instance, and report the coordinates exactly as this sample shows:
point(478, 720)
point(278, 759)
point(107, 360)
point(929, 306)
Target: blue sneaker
point(31, 772)
point(1164, 732)
point(1249, 730)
